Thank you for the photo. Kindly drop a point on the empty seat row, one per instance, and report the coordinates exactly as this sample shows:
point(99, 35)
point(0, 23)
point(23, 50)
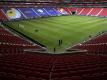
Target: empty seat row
point(10, 43)
point(97, 45)
point(54, 67)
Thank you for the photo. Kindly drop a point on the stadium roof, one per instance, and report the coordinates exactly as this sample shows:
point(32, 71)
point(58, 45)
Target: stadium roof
point(61, 3)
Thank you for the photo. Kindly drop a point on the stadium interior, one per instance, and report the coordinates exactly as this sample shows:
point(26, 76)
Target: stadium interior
point(53, 39)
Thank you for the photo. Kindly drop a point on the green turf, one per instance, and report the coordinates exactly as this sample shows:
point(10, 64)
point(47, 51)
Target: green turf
point(71, 29)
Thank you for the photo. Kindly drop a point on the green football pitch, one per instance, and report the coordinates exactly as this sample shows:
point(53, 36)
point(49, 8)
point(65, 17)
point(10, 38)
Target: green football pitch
point(70, 29)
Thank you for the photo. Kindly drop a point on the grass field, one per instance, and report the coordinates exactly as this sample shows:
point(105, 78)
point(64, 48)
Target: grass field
point(70, 29)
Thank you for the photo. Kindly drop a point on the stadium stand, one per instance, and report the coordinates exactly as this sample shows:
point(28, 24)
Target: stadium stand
point(96, 45)
point(98, 39)
point(10, 43)
point(85, 11)
point(21, 59)
point(51, 11)
point(78, 10)
point(104, 12)
point(95, 12)
point(27, 13)
point(68, 10)
point(48, 67)
point(90, 11)
point(15, 63)
point(2, 16)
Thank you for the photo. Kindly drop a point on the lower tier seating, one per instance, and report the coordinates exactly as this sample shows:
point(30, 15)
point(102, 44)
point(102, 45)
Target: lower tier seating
point(29, 66)
point(90, 11)
point(96, 45)
point(10, 43)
